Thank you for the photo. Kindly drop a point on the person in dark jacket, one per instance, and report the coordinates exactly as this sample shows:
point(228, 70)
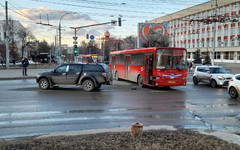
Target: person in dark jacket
point(25, 64)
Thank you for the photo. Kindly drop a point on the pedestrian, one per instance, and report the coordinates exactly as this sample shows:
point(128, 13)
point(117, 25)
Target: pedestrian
point(25, 64)
point(14, 62)
point(190, 67)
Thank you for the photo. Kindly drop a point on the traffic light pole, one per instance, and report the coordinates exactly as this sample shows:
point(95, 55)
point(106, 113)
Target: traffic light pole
point(77, 28)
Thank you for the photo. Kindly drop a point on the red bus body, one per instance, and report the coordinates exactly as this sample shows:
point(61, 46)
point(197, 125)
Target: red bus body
point(93, 58)
point(155, 66)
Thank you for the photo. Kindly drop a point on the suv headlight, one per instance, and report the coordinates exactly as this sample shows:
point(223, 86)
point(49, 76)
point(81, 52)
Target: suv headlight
point(220, 78)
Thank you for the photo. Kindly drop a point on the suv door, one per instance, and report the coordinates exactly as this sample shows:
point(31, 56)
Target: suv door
point(59, 75)
point(73, 73)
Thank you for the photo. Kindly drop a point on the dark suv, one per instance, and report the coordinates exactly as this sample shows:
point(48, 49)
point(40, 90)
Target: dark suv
point(90, 76)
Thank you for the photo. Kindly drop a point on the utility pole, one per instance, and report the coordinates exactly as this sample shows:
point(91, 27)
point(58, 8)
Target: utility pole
point(7, 36)
point(214, 34)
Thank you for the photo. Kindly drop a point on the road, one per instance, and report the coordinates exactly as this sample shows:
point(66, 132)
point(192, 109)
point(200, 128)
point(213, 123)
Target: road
point(26, 110)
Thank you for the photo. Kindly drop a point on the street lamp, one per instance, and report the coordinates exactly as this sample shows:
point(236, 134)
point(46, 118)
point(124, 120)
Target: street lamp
point(60, 44)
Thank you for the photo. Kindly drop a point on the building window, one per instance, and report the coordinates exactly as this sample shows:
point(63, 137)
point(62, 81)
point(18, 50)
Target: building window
point(231, 55)
point(218, 55)
point(232, 42)
point(225, 43)
point(208, 43)
point(219, 43)
point(226, 32)
point(226, 55)
point(238, 55)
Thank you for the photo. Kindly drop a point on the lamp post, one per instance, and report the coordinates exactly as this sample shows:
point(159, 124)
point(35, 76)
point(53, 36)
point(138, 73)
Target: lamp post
point(60, 44)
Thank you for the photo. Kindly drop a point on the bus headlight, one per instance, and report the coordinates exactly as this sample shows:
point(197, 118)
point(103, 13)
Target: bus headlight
point(157, 78)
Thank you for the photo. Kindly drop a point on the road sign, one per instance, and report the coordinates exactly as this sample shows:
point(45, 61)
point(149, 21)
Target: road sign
point(91, 37)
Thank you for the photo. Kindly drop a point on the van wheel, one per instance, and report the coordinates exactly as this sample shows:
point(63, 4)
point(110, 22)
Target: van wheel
point(140, 81)
point(88, 85)
point(44, 84)
point(233, 92)
point(213, 83)
point(116, 76)
point(195, 80)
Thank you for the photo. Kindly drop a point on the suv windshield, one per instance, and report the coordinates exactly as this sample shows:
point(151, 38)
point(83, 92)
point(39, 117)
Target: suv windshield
point(171, 59)
point(217, 70)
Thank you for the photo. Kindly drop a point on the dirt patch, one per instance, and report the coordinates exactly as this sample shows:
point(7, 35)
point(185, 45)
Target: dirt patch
point(180, 139)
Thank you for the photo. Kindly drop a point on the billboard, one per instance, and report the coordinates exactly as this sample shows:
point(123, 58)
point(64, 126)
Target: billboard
point(145, 29)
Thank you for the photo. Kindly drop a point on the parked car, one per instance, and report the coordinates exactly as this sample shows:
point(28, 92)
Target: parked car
point(90, 76)
point(215, 75)
point(234, 86)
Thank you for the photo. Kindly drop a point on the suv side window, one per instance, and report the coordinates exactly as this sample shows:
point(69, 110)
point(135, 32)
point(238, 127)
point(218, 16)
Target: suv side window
point(89, 67)
point(61, 69)
point(75, 68)
point(201, 69)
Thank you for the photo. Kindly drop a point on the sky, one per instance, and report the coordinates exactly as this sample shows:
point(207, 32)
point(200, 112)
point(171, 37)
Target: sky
point(88, 12)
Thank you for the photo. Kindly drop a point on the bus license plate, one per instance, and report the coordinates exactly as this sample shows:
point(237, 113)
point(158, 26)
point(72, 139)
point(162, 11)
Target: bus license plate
point(171, 81)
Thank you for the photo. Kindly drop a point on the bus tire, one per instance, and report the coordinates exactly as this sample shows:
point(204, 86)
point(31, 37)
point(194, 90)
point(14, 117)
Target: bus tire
point(140, 81)
point(116, 76)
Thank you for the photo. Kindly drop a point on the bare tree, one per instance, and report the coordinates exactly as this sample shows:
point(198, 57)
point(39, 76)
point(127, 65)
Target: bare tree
point(129, 42)
point(23, 34)
point(44, 47)
point(156, 40)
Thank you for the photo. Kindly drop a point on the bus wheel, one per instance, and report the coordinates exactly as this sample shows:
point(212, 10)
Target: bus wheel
point(140, 81)
point(116, 76)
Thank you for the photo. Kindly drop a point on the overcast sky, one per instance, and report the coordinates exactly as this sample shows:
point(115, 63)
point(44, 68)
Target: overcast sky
point(88, 12)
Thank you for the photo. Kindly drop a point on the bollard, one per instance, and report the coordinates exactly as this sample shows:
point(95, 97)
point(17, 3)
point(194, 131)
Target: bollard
point(136, 129)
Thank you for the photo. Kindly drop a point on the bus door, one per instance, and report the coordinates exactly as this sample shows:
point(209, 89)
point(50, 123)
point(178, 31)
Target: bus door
point(148, 68)
point(127, 65)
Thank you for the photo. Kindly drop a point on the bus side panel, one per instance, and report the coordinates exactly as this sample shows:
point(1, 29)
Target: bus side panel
point(121, 71)
point(134, 72)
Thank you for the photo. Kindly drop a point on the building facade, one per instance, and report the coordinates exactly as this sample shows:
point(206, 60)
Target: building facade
point(194, 29)
point(15, 31)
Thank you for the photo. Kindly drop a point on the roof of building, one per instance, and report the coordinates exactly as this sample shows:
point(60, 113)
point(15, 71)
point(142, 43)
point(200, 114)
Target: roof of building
point(193, 10)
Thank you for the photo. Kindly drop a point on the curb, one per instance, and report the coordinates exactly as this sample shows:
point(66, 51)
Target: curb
point(18, 78)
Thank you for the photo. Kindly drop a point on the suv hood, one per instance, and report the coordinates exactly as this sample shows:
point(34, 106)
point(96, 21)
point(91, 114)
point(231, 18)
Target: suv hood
point(223, 75)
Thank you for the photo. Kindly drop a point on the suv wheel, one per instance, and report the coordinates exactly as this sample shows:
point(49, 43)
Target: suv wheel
point(233, 92)
point(88, 85)
point(213, 83)
point(43, 84)
point(195, 80)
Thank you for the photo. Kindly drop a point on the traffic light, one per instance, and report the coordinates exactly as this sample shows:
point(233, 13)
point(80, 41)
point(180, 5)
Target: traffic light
point(75, 49)
point(119, 21)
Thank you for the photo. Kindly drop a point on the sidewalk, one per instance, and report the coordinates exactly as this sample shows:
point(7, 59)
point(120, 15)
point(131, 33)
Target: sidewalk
point(16, 74)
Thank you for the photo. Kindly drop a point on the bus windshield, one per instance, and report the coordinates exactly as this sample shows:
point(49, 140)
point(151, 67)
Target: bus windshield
point(171, 59)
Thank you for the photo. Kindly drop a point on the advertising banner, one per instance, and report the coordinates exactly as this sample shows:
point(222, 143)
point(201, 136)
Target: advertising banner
point(145, 29)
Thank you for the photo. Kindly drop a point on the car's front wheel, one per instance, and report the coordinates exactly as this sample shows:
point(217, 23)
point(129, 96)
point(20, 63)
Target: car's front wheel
point(195, 80)
point(213, 83)
point(233, 92)
point(44, 84)
point(88, 85)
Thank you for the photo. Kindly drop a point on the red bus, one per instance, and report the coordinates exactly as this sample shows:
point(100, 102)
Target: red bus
point(156, 66)
point(93, 58)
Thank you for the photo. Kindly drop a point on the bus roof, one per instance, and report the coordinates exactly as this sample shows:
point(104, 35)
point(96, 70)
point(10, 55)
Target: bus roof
point(150, 49)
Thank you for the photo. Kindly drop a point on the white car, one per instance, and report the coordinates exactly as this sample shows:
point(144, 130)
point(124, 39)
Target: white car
point(234, 86)
point(214, 75)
